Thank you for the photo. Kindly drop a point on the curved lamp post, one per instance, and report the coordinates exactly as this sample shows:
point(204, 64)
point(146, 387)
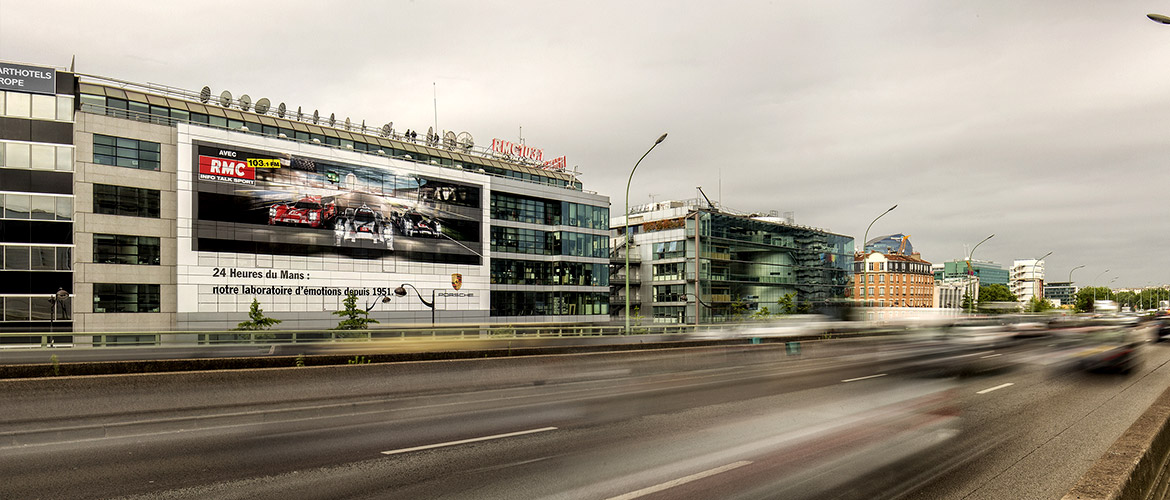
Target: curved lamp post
point(1095, 288)
point(970, 257)
point(401, 292)
point(1071, 271)
point(864, 240)
point(629, 237)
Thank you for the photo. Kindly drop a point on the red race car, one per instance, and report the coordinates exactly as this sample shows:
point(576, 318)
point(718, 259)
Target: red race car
point(310, 211)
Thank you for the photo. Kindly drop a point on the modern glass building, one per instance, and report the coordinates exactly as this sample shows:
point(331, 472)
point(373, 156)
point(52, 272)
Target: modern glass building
point(989, 273)
point(156, 208)
point(890, 243)
point(692, 263)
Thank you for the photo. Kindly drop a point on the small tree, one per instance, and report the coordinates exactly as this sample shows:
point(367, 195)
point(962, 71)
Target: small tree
point(256, 319)
point(1037, 304)
point(355, 317)
point(762, 313)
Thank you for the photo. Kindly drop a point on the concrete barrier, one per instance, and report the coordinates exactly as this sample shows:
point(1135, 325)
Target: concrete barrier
point(1135, 467)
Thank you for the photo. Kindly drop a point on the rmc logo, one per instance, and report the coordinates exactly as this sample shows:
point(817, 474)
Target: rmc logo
point(222, 169)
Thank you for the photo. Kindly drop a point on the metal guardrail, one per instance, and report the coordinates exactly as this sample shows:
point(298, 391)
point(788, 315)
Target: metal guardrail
point(16, 340)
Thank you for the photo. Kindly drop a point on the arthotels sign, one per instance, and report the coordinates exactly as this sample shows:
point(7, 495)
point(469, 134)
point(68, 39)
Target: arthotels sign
point(21, 78)
point(526, 152)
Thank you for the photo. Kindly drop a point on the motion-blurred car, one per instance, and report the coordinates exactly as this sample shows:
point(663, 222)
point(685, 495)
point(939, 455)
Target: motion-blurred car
point(1107, 349)
point(364, 223)
point(309, 211)
point(413, 223)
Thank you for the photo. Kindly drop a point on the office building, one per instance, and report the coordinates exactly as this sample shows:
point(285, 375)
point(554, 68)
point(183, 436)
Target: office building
point(691, 262)
point(156, 208)
point(1027, 279)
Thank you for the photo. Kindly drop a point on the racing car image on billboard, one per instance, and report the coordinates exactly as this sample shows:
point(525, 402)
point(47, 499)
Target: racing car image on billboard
point(310, 211)
point(363, 224)
point(412, 223)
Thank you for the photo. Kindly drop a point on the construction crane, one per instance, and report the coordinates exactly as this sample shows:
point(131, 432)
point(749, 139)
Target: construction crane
point(902, 247)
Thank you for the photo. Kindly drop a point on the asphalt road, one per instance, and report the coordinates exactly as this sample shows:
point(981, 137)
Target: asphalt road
point(750, 422)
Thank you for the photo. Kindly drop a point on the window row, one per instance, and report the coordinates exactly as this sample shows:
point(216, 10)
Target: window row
point(670, 250)
point(669, 272)
point(123, 152)
point(35, 258)
point(900, 278)
point(125, 298)
point(526, 272)
point(36, 156)
point(914, 290)
point(138, 110)
point(508, 303)
point(36, 106)
point(537, 242)
point(122, 200)
point(124, 249)
point(36, 207)
point(670, 293)
point(35, 308)
point(548, 212)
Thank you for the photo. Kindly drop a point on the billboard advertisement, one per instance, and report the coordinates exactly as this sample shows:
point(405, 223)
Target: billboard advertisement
point(265, 202)
point(299, 226)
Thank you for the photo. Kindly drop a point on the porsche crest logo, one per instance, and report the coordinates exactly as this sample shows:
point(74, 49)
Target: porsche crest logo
point(456, 281)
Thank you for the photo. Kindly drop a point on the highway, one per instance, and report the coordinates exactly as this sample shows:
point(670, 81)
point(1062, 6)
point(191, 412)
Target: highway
point(840, 419)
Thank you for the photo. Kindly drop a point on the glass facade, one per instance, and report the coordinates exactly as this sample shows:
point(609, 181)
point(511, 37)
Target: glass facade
point(742, 265)
point(526, 272)
point(524, 303)
point(537, 242)
point(123, 249)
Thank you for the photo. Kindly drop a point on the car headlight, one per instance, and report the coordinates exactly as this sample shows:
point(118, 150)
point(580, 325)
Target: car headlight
point(272, 211)
point(312, 215)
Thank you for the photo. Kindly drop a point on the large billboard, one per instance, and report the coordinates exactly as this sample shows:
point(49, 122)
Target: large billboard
point(298, 226)
point(254, 201)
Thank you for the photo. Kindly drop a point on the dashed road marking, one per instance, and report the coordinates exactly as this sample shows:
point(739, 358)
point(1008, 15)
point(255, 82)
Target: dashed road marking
point(465, 441)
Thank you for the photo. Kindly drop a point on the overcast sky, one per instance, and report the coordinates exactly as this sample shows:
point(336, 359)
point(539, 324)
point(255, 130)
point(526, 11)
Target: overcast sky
point(1046, 123)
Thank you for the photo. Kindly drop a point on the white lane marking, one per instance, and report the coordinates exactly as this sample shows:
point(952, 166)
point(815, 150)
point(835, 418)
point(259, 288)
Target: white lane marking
point(864, 378)
point(996, 388)
point(991, 356)
point(465, 441)
point(680, 481)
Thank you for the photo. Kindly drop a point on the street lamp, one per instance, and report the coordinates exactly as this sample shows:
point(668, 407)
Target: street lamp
point(629, 237)
point(971, 257)
point(1095, 288)
point(1159, 18)
point(864, 240)
point(401, 292)
point(1070, 273)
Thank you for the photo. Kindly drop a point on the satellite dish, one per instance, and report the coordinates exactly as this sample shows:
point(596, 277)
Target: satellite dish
point(245, 102)
point(332, 119)
point(280, 110)
point(262, 105)
point(225, 99)
point(465, 141)
point(316, 116)
point(347, 123)
point(449, 140)
point(205, 94)
point(387, 129)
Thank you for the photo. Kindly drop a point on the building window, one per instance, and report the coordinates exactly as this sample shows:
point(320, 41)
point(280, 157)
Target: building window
point(122, 200)
point(881, 278)
point(125, 298)
point(123, 249)
point(122, 152)
point(668, 272)
point(670, 250)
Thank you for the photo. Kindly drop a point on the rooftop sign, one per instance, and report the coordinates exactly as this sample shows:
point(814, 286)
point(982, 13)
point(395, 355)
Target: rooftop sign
point(34, 79)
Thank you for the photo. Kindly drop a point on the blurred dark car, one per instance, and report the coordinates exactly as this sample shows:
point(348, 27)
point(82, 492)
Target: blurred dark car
point(1161, 328)
point(1111, 349)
